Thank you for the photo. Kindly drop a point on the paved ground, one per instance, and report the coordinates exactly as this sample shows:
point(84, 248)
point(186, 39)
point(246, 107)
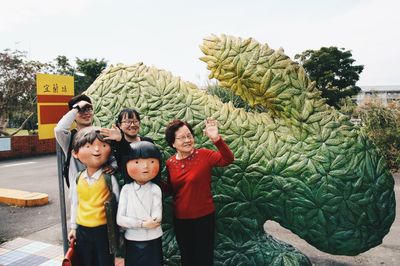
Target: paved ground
point(22, 251)
point(43, 223)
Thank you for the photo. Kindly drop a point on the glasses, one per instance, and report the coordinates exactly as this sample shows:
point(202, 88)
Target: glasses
point(86, 109)
point(182, 138)
point(130, 122)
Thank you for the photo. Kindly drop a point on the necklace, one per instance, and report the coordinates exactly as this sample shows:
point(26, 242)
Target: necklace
point(185, 163)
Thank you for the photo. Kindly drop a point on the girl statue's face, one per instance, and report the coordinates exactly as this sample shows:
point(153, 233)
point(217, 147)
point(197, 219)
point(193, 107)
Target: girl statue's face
point(143, 170)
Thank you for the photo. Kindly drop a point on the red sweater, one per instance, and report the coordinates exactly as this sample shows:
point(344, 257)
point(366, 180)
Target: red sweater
point(190, 180)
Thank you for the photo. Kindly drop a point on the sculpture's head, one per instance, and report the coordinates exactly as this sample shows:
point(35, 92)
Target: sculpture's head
point(90, 148)
point(142, 163)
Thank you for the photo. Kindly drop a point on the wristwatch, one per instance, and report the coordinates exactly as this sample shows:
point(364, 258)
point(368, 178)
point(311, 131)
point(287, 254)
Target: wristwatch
point(76, 106)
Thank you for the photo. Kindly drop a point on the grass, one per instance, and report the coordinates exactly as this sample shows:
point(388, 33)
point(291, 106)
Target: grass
point(22, 132)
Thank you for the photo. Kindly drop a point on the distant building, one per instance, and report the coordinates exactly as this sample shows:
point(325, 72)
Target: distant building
point(385, 94)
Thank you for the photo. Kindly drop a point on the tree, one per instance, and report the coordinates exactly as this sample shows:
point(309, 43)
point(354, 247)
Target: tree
point(63, 67)
point(382, 125)
point(333, 71)
point(18, 83)
point(86, 71)
point(91, 69)
point(17, 87)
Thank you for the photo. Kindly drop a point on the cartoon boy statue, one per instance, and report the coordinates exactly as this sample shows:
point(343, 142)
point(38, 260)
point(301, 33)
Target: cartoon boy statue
point(92, 190)
point(140, 205)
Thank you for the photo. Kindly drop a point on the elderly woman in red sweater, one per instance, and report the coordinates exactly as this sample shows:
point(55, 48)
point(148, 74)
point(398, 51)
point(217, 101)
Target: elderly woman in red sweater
point(189, 177)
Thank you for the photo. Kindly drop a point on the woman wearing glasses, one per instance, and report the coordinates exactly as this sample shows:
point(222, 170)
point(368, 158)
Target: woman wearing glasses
point(125, 133)
point(189, 178)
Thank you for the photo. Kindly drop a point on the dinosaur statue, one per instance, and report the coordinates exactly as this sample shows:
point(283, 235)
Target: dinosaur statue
point(301, 163)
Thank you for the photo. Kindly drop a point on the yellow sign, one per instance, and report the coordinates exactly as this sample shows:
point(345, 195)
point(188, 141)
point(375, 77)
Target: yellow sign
point(47, 84)
point(53, 94)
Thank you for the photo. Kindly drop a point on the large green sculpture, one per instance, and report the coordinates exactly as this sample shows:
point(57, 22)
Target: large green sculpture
point(301, 163)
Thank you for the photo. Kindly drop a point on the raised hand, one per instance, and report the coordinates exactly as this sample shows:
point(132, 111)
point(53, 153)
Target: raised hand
point(211, 130)
point(83, 104)
point(113, 133)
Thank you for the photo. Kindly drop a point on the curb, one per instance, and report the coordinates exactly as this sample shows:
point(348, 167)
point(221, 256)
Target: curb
point(23, 198)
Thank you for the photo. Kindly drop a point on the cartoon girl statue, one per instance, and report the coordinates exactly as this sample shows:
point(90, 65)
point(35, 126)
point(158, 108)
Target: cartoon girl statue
point(140, 205)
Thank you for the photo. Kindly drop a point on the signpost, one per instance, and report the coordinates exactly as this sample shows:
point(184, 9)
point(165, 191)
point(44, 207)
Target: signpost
point(53, 94)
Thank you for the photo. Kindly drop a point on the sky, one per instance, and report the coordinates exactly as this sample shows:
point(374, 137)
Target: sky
point(167, 33)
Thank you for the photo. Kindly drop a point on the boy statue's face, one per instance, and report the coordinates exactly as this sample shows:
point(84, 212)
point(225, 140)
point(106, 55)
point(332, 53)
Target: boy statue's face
point(143, 170)
point(93, 155)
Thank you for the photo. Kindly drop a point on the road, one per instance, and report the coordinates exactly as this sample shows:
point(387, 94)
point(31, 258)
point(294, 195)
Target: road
point(39, 174)
point(36, 174)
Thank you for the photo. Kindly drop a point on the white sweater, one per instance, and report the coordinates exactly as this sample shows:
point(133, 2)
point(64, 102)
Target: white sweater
point(139, 203)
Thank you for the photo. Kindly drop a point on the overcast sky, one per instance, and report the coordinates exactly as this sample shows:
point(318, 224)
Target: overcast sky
point(167, 33)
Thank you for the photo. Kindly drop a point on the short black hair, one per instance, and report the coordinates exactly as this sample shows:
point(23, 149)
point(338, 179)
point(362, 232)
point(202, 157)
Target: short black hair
point(129, 112)
point(141, 150)
point(87, 135)
point(77, 99)
point(172, 127)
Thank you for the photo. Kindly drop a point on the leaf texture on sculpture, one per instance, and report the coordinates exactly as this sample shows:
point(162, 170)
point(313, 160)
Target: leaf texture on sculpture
point(301, 164)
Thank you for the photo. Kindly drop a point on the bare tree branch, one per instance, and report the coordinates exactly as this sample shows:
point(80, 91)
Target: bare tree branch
point(22, 125)
point(4, 133)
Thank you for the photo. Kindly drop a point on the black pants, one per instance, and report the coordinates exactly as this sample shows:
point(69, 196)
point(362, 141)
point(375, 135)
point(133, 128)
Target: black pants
point(195, 239)
point(144, 253)
point(92, 246)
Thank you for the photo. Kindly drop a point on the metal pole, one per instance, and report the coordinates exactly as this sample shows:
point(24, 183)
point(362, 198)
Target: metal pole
point(60, 163)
